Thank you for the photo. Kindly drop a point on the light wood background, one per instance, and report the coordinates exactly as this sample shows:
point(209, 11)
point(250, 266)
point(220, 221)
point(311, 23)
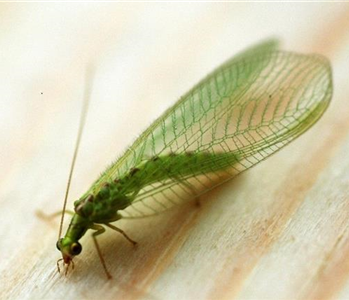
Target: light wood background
point(279, 231)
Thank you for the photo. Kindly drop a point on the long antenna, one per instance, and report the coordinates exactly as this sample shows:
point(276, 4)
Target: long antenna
point(86, 100)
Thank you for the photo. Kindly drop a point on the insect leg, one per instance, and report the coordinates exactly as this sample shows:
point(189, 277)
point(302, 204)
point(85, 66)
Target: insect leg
point(122, 232)
point(100, 230)
point(40, 214)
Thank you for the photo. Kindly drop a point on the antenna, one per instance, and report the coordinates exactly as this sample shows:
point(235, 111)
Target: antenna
point(86, 100)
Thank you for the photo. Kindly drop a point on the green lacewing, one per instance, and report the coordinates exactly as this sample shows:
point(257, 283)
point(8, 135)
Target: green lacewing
point(244, 111)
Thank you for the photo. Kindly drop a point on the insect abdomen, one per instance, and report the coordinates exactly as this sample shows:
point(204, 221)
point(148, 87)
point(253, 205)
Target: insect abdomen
point(175, 166)
point(120, 193)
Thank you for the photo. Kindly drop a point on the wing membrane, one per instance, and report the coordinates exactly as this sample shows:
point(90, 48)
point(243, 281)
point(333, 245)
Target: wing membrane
point(251, 106)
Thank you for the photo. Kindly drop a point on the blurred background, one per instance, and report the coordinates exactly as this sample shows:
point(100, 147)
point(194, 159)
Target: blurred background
point(279, 231)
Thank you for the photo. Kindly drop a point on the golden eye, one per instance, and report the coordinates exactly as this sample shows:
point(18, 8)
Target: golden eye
point(75, 248)
point(58, 244)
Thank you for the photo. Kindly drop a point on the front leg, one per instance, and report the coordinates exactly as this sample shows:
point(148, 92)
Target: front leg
point(100, 229)
point(40, 214)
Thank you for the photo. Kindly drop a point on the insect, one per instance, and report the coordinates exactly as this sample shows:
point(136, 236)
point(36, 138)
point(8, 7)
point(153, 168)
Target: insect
point(244, 111)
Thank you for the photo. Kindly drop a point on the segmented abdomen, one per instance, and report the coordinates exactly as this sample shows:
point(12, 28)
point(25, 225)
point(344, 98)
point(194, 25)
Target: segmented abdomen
point(173, 167)
point(120, 192)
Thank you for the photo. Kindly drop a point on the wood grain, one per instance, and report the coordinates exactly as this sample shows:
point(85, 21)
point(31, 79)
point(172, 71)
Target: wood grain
point(278, 231)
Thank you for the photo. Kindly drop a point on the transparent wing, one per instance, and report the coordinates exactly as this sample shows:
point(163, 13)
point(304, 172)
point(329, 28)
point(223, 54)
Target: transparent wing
point(251, 106)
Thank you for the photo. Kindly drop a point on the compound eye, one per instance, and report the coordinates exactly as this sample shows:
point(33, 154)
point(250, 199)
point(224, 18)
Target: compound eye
point(58, 244)
point(75, 248)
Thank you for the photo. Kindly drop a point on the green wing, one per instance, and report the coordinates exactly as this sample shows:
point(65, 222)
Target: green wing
point(249, 107)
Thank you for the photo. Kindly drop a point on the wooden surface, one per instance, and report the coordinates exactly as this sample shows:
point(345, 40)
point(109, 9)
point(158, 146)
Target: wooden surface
point(279, 231)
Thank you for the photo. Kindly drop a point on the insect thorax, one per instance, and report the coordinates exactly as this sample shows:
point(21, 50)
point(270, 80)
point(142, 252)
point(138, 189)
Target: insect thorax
point(104, 205)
